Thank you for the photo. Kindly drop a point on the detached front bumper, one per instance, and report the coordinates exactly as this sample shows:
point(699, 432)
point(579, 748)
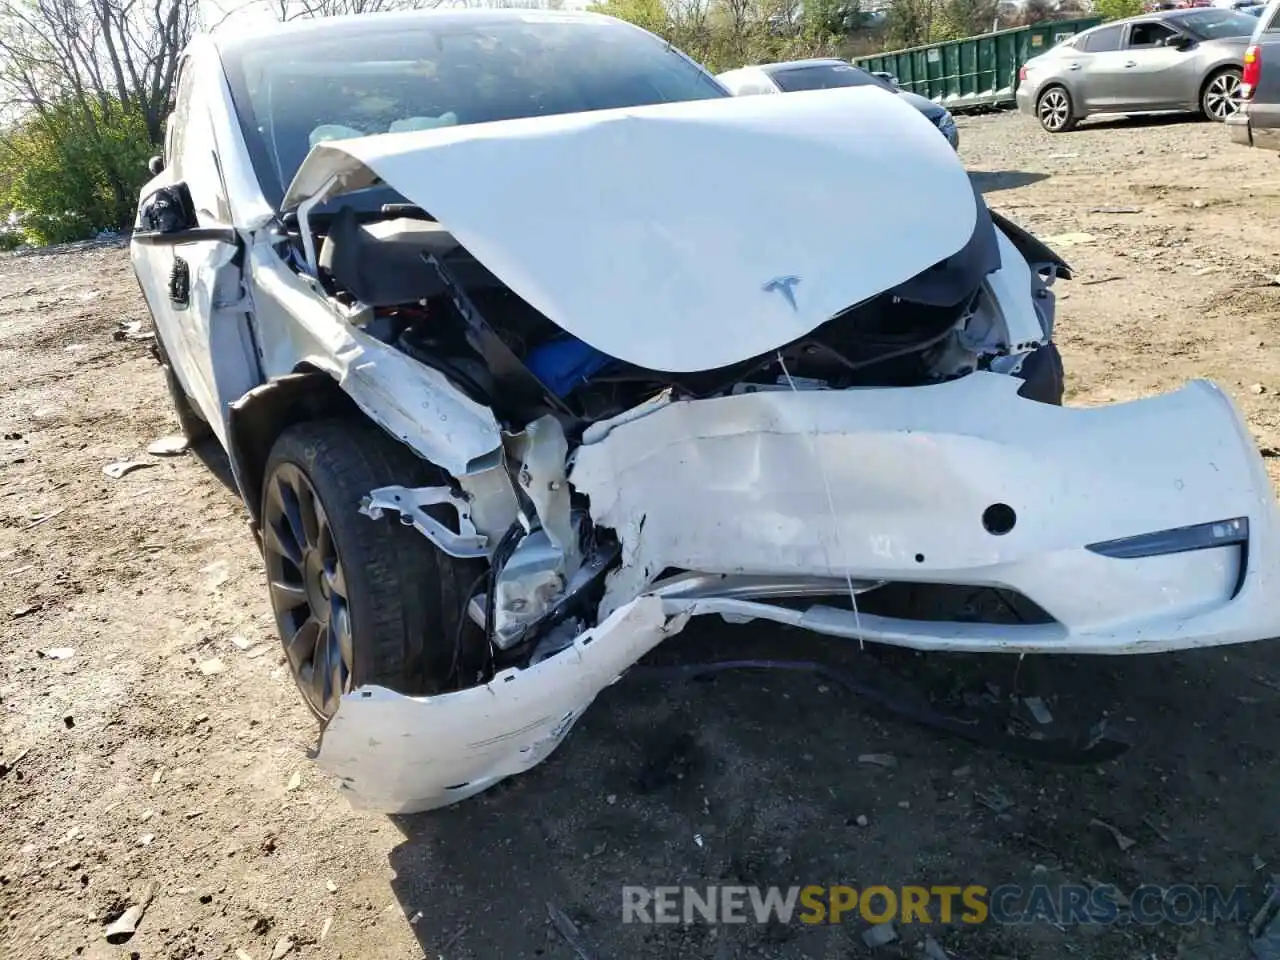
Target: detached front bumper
point(871, 485)
point(911, 485)
point(398, 754)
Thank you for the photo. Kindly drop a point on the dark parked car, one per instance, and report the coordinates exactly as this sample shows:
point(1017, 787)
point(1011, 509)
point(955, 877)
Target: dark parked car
point(826, 74)
point(1257, 124)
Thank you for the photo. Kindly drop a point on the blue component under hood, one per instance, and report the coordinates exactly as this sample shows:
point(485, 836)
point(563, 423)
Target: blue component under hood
point(566, 362)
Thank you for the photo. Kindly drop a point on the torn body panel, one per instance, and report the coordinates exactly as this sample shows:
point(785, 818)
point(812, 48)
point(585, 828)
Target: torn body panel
point(731, 489)
point(917, 480)
point(301, 329)
point(399, 754)
point(412, 504)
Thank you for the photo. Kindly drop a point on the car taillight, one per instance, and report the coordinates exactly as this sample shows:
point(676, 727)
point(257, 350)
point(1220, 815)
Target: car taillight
point(1252, 71)
point(1022, 73)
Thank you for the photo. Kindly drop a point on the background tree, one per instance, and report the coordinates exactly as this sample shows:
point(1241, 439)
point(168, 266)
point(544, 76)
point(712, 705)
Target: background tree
point(286, 10)
point(964, 18)
point(1117, 9)
point(910, 22)
point(649, 14)
point(86, 85)
point(836, 18)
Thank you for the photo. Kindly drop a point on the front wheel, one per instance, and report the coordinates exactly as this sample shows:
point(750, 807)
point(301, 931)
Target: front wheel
point(1221, 96)
point(1055, 111)
point(359, 601)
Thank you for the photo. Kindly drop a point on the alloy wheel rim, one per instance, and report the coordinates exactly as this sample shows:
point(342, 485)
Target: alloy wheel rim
point(1223, 96)
point(308, 589)
point(1053, 110)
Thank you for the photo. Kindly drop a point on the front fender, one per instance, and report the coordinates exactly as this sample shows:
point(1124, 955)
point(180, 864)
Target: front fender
point(298, 328)
point(255, 420)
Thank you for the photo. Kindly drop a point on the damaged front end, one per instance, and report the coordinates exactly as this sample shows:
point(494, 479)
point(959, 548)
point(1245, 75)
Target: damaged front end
point(698, 413)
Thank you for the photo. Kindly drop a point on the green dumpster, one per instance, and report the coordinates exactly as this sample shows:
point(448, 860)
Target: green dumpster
point(976, 72)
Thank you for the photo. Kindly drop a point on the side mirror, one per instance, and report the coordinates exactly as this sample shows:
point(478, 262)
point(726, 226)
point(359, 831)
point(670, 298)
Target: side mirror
point(167, 218)
point(156, 165)
point(1181, 43)
point(168, 210)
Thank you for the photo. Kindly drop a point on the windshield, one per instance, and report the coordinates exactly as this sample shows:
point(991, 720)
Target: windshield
point(1213, 24)
point(825, 76)
point(331, 84)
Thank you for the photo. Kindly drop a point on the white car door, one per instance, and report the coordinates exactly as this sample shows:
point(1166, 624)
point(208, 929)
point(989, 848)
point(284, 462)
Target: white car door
point(189, 269)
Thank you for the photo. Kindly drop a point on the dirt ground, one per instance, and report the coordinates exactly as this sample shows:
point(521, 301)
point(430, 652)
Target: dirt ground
point(125, 764)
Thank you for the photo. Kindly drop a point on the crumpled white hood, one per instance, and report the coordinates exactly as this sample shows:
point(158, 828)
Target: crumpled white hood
point(684, 236)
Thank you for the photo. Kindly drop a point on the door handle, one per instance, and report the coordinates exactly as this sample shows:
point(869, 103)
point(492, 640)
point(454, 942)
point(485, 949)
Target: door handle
point(1132, 63)
point(180, 283)
point(1074, 66)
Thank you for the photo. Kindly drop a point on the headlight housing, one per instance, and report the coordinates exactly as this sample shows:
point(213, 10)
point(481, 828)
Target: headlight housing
point(1202, 536)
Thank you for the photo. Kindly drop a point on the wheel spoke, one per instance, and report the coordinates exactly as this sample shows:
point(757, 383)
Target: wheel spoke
point(340, 623)
point(337, 680)
point(310, 513)
point(301, 647)
point(287, 596)
point(328, 551)
point(292, 512)
point(321, 670)
point(280, 540)
point(324, 535)
point(337, 579)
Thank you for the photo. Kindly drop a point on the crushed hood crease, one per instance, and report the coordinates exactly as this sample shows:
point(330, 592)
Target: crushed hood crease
point(648, 232)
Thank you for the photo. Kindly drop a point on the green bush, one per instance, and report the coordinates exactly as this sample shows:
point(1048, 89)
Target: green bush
point(1117, 9)
point(958, 19)
point(72, 170)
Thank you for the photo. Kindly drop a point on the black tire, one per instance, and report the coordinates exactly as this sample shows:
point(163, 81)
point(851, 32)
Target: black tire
point(405, 625)
point(193, 426)
point(1055, 110)
point(1220, 97)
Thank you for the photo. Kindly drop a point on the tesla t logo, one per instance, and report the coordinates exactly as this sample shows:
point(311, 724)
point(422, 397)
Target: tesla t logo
point(784, 286)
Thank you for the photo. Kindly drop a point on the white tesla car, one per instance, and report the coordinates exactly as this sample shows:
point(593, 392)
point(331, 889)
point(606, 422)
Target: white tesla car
point(527, 343)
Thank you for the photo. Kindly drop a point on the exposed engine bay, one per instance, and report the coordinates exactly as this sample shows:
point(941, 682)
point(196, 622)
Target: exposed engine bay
point(434, 301)
point(412, 286)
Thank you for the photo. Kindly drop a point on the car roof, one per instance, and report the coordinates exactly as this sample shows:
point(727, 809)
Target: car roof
point(234, 41)
point(772, 68)
point(1154, 15)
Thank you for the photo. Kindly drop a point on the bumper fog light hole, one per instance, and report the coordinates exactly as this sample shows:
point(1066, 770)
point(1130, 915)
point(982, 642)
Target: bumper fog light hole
point(998, 519)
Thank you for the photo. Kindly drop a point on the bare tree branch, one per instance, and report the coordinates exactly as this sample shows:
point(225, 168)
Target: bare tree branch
point(94, 55)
